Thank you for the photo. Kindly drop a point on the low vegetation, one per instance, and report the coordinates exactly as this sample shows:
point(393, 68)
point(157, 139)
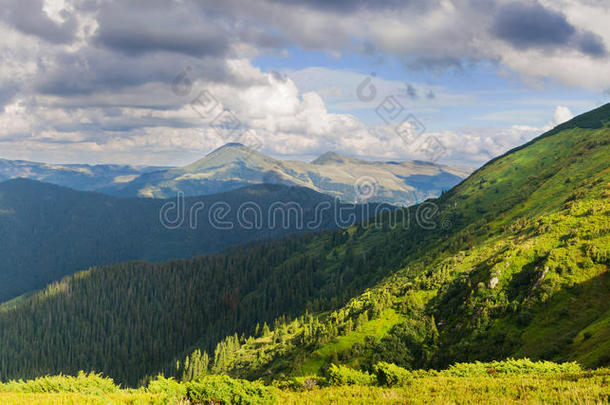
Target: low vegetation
point(522, 381)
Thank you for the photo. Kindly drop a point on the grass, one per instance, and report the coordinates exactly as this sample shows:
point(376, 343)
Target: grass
point(585, 388)
point(377, 327)
point(565, 314)
point(131, 398)
point(558, 387)
point(593, 343)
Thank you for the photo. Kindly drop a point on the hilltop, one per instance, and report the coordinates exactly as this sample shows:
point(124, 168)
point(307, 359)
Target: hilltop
point(234, 165)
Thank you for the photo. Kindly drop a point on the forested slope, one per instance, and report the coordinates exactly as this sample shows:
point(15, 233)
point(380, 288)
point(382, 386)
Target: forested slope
point(49, 231)
point(132, 319)
point(522, 272)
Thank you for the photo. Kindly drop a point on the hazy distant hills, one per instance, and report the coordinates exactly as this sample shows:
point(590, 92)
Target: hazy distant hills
point(349, 179)
point(234, 165)
point(70, 229)
point(50, 231)
point(77, 176)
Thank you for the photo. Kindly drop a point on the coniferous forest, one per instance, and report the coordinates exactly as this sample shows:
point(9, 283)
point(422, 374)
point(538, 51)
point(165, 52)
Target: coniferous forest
point(72, 230)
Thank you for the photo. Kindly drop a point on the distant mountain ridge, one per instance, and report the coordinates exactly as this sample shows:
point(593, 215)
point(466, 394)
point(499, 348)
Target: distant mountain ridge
point(352, 180)
point(77, 176)
point(349, 179)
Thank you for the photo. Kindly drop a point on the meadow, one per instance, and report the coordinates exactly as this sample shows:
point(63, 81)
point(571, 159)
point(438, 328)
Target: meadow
point(511, 381)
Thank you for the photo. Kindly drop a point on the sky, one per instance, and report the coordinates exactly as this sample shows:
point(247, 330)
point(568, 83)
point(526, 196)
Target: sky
point(151, 82)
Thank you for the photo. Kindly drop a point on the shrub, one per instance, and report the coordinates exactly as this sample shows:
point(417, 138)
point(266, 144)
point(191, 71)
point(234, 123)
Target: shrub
point(509, 367)
point(221, 389)
point(83, 383)
point(390, 375)
point(341, 375)
point(306, 383)
point(172, 390)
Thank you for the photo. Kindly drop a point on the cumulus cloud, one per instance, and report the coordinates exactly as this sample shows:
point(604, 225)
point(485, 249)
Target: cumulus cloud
point(29, 17)
point(166, 26)
point(448, 33)
point(561, 115)
point(530, 25)
point(527, 25)
point(94, 80)
point(475, 146)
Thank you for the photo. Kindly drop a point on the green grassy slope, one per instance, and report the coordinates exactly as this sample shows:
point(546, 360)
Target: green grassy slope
point(518, 266)
point(376, 328)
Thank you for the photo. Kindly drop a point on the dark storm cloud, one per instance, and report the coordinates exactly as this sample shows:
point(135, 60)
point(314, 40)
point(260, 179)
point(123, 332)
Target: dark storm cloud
point(530, 25)
point(134, 40)
point(592, 44)
point(95, 70)
point(101, 123)
point(28, 17)
point(139, 42)
point(141, 27)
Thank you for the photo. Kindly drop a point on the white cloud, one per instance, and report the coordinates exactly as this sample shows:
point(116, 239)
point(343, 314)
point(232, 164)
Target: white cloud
point(104, 97)
point(475, 146)
point(289, 122)
point(561, 115)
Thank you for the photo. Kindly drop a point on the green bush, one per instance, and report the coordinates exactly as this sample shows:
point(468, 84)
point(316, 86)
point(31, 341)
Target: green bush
point(83, 383)
point(509, 367)
point(390, 375)
point(301, 383)
point(341, 375)
point(221, 389)
point(172, 390)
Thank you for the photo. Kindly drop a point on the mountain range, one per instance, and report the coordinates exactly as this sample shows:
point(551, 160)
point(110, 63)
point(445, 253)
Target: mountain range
point(512, 262)
point(234, 165)
point(77, 176)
